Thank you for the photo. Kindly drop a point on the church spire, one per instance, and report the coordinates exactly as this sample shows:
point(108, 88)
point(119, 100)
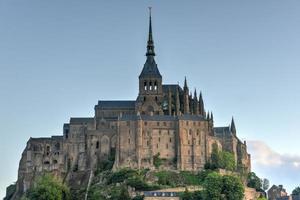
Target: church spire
point(201, 105)
point(185, 83)
point(232, 127)
point(150, 43)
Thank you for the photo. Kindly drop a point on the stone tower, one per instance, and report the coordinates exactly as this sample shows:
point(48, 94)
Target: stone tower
point(150, 81)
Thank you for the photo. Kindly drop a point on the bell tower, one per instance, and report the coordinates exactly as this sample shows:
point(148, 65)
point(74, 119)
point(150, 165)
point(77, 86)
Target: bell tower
point(150, 81)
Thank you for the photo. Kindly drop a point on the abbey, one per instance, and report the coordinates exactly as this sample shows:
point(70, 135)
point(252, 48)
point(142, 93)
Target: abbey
point(164, 121)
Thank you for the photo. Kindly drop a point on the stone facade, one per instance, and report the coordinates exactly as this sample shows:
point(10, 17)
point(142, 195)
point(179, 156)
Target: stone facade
point(164, 120)
point(277, 192)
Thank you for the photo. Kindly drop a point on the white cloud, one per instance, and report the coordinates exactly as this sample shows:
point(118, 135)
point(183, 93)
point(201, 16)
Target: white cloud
point(278, 168)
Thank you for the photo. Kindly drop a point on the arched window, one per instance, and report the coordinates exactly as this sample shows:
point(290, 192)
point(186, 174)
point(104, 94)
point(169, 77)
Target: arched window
point(145, 85)
point(155, 85)
point(150, 85)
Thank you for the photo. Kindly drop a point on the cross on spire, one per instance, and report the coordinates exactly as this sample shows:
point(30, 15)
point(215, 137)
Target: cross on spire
point(150, 43)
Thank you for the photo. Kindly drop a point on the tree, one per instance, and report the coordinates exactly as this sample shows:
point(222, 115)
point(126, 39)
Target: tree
point(265, 184)
point(227, 161)
point(296, 191)
point(232, 188)
point(215, 157)
point(157, 161)
point(254, 181)
point(124, 195)
point(213, 186)
point(48, 187)
point(227, 187)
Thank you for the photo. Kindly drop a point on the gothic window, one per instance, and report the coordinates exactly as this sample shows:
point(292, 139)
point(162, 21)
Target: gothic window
point(97, 145)
point(144, 98)
point(128, 140)
point(145, 85)
point(156, 99)
point(57, 146)
point(155, 85)
point(150, 85)
point(170, 139)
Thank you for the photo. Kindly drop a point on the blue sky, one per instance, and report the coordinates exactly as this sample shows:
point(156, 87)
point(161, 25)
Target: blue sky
point(58, 58)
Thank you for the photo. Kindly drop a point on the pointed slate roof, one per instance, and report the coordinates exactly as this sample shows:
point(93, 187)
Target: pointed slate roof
point(150, 67)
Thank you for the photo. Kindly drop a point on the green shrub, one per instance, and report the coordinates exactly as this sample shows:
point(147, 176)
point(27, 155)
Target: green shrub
point(157, 161)
point(138, 197)
point(48, 187)
point(10, 190)
point(121, 175)
point(190, 178)
point(169, 178)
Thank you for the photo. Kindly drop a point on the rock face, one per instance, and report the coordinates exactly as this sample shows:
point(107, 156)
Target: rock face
point(165, 121)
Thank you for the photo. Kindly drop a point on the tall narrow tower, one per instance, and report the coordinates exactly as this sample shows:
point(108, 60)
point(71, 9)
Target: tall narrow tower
point(150, 80)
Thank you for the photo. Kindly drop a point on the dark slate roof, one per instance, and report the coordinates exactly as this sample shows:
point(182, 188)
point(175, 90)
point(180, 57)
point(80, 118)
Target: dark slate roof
point(80, 120)
point(220, 131)
point(172, 87)
point(40, 139)
point(57, 137)
point(116, 104)
point(150, 69)
point(191, 117)
point(162, 117)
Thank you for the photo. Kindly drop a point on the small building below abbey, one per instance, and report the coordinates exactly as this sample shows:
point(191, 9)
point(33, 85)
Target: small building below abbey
point(165, 120)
